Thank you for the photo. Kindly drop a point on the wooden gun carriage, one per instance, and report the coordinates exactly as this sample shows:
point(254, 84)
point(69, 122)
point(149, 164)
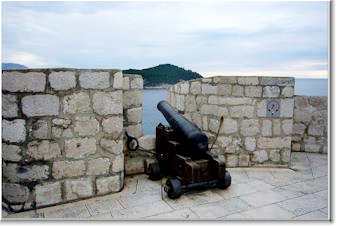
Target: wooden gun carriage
point(182, 155)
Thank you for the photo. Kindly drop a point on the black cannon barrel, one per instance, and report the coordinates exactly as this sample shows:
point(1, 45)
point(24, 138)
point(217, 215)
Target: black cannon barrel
point(187, 132)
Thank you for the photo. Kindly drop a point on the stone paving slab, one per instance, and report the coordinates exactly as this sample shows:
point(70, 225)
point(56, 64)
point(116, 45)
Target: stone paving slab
point(298, 193)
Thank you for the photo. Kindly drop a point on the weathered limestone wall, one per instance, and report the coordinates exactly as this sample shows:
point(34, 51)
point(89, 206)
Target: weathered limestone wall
point(310, 124)
point(248, 136)
point(135, 161)
point(62, 135)
point(133, 104)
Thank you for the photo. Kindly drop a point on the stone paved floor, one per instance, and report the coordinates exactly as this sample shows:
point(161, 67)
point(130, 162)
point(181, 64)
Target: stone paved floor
point(255, 194)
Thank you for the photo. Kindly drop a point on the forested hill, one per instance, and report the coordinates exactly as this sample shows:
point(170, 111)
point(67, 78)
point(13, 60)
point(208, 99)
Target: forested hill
point(163, 74)
point(8, 66)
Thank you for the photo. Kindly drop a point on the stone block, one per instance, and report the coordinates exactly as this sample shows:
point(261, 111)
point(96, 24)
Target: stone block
point(118, 163)
point(176, 88)
point(113, 125)
point(298, 129)
point(315, 130)
point(58, 132)
point(319, 102)
point(9, 106)
point(234, 101)
point(98, 166)
point(213, 125)
point(278, 81)
point(135, 130)
point(221, 111)
point(43, 150)
point(260, 156)
point(14, 131)
point(261, 108)
point(13, 173)
point(86, 125)
point(105, 103)
point(232, 160)
point(112, 146)
point(180, 102)
point(285, 155)
point(225, 80)
point(271, 91)
point(61, 122)
point(274, 156)
point(287, 126)
point(15, 193)
point(134, 115)
point(287, 107)
point(80, 147)
point(94, 80)
point(266, 129)
point(126, 83)
point(229, 126)
point(147, 142)
point(200, 99)
point(224, 89)
point(11, 153)
point(64, 80)
point(118, 80)
point(250, 127)
point(205, 123)
point(250, 143)
point(301, 102)
point(40, 105)
point(184, 88)
point(208, 89)
point(253, 91)
point(242, 111)
point(190, 103)
point(195, 88)
point(48, 193)
point(224, 142)
point(136, 82)
point(76, 103)
point(248, 80)
point(23, 82)
point(66, 169)
point(244, 160)
point(132, 98)
point(287, 92)
point(196, 119)
point(277, 127)
point(237, 90)
point(312, 148)
point(296, 147)
point(209, 109)
point(273, 143)
point(206, 80)
point(78, 188)
point(40, 129)
point(110, 184)
point(303, 115)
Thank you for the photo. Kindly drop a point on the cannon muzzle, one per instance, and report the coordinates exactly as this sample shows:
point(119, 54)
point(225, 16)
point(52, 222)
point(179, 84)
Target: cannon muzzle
point(187, 132)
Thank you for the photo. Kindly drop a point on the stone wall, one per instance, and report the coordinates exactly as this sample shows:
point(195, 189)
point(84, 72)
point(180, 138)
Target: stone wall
point(133, 104)
point(249, 136)
point(310, 129)
point(62, 134)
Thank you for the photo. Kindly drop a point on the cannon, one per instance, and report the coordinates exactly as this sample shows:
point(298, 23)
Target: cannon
point(182, 155)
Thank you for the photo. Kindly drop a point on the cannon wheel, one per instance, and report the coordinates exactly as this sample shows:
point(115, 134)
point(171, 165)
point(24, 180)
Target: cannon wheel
point(154, 171)
point(226, 181)
point(173, 188)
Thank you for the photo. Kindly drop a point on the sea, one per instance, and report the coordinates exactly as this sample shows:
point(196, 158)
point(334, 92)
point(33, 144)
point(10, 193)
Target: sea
point(152, 117)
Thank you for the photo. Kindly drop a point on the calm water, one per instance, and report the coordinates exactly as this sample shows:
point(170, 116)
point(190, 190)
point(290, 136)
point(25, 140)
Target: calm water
point(152, 117)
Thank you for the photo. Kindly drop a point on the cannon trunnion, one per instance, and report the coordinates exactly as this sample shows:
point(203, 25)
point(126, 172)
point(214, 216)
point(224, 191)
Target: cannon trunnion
point(182, 155)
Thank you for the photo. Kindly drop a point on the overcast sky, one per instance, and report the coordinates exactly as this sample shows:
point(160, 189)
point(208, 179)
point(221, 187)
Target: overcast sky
point(214, 38)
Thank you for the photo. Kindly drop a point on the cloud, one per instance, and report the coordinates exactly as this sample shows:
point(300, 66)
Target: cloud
point(206, 37)
point(27, 59)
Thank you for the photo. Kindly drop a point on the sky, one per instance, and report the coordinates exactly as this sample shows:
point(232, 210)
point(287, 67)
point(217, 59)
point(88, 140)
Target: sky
point(212, 38)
